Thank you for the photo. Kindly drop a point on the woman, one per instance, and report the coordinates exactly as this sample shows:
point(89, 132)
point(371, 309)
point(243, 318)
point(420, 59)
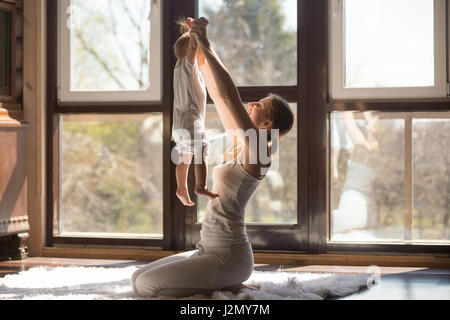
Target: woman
point(224, 256)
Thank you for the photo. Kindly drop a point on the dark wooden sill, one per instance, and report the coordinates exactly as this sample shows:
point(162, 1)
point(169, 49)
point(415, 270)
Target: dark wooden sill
point(386, 260)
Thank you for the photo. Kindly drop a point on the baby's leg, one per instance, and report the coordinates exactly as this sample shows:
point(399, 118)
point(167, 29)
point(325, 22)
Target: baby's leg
point(181, 172)
point(201, 175)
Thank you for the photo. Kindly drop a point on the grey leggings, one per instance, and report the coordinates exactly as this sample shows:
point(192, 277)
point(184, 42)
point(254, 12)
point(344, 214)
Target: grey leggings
point(195, 272)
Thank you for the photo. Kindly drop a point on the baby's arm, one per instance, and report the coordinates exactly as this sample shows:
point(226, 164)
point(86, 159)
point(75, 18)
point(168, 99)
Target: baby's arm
point(192, 49)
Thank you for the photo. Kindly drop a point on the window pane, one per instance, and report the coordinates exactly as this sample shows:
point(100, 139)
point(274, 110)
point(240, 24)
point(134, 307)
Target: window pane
point(389, 43)
point(5, 52)
point(275, 200)
point(256, 40)
point(115, 56)
point(111, 175)
point(431, 163)
point(367, 177)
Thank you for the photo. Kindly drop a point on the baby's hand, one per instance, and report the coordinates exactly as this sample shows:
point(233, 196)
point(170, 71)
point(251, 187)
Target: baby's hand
point(189, 22)
point(199, 29)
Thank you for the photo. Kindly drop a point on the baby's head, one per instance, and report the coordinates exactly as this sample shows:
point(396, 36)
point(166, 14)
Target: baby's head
point(182, 44)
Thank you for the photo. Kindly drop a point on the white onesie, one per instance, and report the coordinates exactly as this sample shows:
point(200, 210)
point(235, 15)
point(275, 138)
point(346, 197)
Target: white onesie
point(189, 108)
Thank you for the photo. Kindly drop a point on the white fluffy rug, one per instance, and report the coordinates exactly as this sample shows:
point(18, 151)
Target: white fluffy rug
point(94, 283)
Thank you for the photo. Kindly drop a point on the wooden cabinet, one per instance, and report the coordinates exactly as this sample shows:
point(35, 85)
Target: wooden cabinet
point(13, 135)
point(13, 183)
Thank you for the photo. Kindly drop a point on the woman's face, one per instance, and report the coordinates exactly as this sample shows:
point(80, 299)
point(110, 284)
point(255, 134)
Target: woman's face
point(260, 112)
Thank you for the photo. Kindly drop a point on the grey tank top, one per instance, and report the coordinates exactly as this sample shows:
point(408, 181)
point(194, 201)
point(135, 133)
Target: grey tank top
point(224, 220)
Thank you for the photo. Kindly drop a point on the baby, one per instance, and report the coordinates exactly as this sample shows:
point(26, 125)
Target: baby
point(189, 107)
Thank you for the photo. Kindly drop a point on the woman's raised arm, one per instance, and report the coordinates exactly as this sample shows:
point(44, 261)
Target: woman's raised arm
point(220, 85)
point(225, 116)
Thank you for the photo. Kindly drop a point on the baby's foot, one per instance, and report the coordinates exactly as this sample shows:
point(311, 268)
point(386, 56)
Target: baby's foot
point(183, 195)
point(199, 190)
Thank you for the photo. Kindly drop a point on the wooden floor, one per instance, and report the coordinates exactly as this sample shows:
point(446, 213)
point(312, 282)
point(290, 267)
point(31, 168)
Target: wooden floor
point(395, 283)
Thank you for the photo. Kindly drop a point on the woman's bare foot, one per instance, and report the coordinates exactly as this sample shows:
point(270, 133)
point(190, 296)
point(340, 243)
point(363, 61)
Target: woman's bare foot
point(183, 195)
point(205, 192)
point(252, 286)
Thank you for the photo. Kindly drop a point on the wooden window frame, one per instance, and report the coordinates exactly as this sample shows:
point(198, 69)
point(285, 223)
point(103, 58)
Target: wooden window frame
point(314, 106)
point(277, 237)
point(56, 108)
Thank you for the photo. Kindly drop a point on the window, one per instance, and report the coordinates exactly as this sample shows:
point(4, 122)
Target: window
point(109, 51)
point(389, 177)
point(101, 133)
point(257, 40)
point(387, 161)
point(109, 135)
point(106, 187)
point(7, 52)
point(387, 49)
point(259, 44)
point(431, 178)
point(99, 84)
point(367, 169)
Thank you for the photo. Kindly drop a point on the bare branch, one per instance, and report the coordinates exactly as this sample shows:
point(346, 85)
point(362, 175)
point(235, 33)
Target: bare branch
point(130, 16)
point(122, 51)
point(97, 57)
